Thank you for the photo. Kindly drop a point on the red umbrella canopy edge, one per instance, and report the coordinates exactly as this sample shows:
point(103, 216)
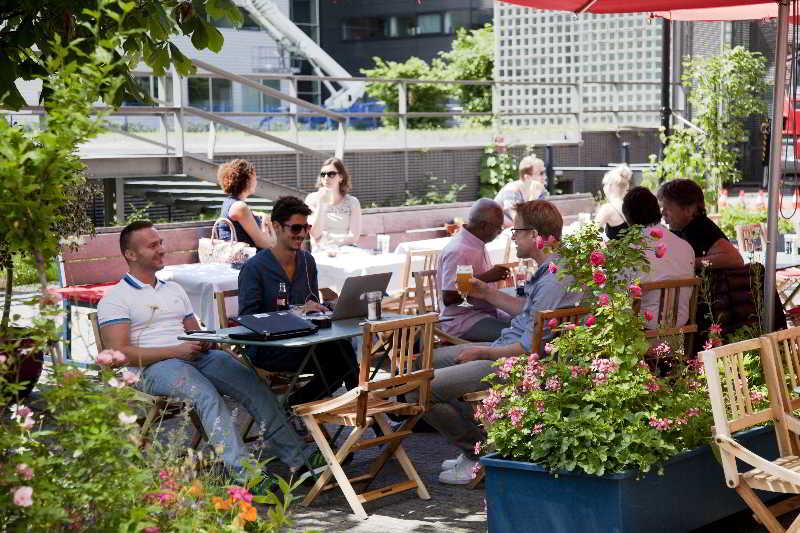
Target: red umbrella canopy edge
point(629, 6)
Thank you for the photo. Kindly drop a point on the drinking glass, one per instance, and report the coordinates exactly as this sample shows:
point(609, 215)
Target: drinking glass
point(463, 275)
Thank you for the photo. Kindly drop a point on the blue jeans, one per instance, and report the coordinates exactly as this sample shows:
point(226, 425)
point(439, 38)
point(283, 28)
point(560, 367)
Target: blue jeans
point(203, 381)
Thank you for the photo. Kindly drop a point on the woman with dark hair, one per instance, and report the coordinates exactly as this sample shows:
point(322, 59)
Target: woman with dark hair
point(336, 215)
point(683, 208)
point(238, 179)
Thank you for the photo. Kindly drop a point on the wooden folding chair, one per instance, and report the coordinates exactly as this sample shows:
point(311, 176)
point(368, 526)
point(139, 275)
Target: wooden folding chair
point(370, 402)
point(427, 295)
point(668, 304)
point(160, 407)
point(405, 301)
point(751, 237)
point(733, 409)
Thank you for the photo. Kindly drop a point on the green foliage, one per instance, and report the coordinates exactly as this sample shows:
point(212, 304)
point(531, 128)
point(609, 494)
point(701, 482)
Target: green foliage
point(471, 57)
point(732, 215)
point(422, 97)
point(83, 469)
point(593, 404)
point(32, 30)
point(434, 195)
point(498, 167)
point(725, 90)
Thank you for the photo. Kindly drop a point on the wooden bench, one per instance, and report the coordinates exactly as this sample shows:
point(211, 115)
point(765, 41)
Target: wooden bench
point(87, 273)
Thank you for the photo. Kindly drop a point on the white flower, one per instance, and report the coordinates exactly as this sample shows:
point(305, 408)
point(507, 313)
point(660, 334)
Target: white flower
point(129, 377)
point(127, 419)
point(117, 384)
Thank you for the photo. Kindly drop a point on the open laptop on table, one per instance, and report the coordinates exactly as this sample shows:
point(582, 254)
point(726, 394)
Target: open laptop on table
point(350, 303)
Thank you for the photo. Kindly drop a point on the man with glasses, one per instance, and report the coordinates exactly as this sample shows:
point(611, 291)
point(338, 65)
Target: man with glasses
point(481, 322)
point(460, 369)
point(259, 285)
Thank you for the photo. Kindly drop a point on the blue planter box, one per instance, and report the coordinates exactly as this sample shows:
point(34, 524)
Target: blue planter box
point(524, 497)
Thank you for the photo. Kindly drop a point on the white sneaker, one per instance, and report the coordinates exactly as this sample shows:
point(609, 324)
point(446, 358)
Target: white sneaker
point(449, 464)
point(461, 474)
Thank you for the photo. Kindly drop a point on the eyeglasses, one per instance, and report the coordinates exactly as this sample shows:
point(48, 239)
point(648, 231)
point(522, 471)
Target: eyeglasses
point(329, 174)
point(515, 230)
point(297, 228)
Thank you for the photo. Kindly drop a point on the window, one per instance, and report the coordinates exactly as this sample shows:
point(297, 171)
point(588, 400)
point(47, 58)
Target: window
point(255, 101)
point(453, 20)
point(429, 23)
point(211, 94)
point(363, 28)
point(403, 26)
point(148, 85)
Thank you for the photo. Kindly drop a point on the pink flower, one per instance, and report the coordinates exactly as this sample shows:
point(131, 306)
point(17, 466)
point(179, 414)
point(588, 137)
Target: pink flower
point(661, 250)
point(604, 365)
point(506, 366)
point(695, 364)
point(569, 326)
point(590, 321)
point(539, 404)
point(597, 258)
point(539, 242)
point(477, 448)
point(552, 323)
point(599, 277)
point(661, 424)
point(602, 300)
point(475, 469)
point(548, 348)
point(24, 471)
point(652, 386)
point(151, 529)
point(3, 359)
point(118, 357)
point(553, 384)
point(23, 496)
point(648, 315)
point(716, 329)
point(662, 349)
point(240, 493)
point(552, 267)
point(114, 382)
point(537, 428)
point(635, 290)
point(129, 377)
point(28, 423)
point(693, 411)
point(22, 411)
point(516, 414)
point(104, 358)
point(656, 233)
point(756, 396)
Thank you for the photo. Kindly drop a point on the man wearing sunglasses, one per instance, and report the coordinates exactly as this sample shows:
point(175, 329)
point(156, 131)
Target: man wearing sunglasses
point(460, 369)
point(259, 283)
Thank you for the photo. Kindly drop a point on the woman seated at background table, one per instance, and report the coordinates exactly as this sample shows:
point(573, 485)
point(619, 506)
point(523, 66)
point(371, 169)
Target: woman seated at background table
point(616, 183)
point(238, 180)
point(336, 215)
point(529, 186)
point(683, 207)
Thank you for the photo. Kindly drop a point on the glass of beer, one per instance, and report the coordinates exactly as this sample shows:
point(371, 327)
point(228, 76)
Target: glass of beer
point(463, 275)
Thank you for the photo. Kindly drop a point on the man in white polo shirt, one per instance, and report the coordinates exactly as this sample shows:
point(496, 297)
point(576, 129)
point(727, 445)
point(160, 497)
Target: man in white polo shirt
point(142, 317)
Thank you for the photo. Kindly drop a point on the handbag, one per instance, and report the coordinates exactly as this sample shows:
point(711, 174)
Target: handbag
point(216, 250)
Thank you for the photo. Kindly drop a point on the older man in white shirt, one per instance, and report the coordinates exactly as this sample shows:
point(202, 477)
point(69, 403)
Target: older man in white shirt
point(670, 258)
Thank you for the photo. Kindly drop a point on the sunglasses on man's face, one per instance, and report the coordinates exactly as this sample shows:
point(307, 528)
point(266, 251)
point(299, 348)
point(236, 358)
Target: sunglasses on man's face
point(297, 228)
point(329, 174)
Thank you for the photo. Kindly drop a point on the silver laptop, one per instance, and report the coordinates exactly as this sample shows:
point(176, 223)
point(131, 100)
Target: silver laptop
point(350, 304)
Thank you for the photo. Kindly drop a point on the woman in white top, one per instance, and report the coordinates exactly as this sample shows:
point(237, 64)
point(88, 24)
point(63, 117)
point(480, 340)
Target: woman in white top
point(529, 186)
point(616, 183)
point(336, 216)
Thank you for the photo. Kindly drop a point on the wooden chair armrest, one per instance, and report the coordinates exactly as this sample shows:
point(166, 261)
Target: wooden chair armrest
point(447, 337)
point(323, 406)
point(756, 461)
point(792, 423)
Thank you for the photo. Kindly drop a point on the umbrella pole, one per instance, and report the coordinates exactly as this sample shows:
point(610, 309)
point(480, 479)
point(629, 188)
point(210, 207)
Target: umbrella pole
point(776, 162)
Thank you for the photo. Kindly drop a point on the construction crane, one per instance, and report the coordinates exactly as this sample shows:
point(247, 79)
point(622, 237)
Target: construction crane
point(293, 39)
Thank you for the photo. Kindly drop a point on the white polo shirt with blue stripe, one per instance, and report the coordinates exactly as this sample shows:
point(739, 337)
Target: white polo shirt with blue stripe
point(155, 314)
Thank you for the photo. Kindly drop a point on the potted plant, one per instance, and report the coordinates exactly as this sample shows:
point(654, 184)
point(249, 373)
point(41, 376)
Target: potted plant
point(591, 435)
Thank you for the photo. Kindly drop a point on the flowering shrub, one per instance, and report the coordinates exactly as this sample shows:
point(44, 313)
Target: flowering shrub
point(591, 402)
point(78, 466)
point(498, 167)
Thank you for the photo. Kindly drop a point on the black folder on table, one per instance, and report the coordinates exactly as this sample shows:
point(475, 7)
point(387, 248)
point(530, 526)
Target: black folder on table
point(272, 326)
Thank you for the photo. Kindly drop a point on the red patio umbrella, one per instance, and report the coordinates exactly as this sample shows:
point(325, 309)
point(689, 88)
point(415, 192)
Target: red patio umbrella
point(629, 6)
point(737, 6)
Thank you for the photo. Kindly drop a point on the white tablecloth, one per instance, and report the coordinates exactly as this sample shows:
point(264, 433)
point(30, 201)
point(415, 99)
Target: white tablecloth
point(496, 248)
point(201, 281)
